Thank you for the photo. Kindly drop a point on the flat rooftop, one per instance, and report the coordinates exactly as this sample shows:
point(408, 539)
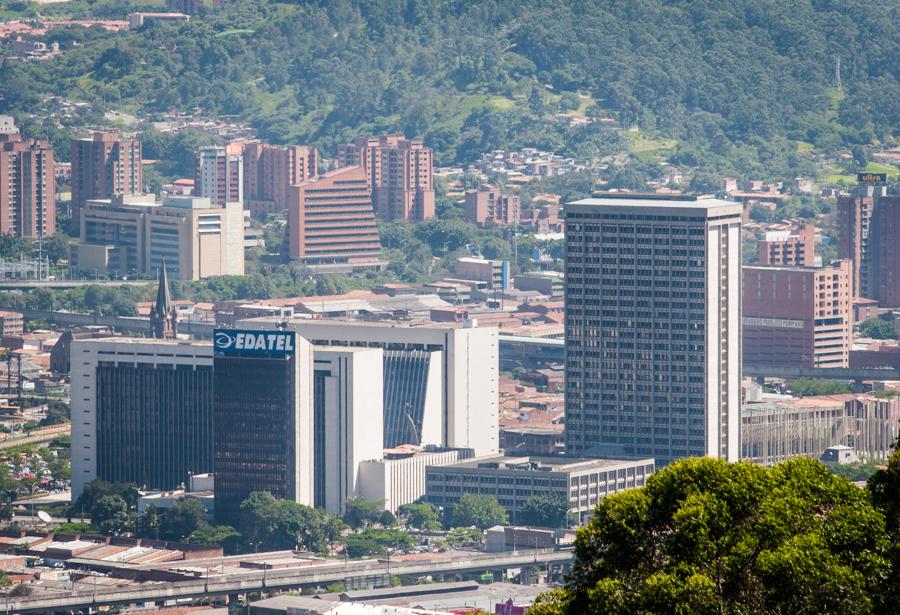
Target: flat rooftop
point(143, 341)
point(531, 463)
point(661, 201)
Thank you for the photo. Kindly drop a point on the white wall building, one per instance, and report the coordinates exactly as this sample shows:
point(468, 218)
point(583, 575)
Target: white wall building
point(348, 417)
point(440, 382)
point(399, 478)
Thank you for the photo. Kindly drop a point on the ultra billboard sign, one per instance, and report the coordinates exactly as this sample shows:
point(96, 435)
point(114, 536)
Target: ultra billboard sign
point(243, 342)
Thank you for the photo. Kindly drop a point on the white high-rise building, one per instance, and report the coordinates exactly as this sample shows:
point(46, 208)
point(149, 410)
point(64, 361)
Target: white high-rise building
point(219, 174)
point(653, 317)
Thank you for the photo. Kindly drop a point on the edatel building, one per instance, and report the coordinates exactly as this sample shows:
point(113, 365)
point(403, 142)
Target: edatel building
point(263, 422)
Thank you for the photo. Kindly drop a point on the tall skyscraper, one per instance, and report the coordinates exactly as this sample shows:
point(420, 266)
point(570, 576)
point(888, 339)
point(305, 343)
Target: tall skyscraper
point(270, 171)
point(27, 184)
point(401, 174)
point(330, 219)
point(105, 166)
point(653, 327)
point(143, 413)
point(263, 382)
point(219, 174)
point(869, 235)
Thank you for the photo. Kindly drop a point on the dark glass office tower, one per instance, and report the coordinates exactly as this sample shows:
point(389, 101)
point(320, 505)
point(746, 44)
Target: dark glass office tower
point(257, 417)
point(154, 422)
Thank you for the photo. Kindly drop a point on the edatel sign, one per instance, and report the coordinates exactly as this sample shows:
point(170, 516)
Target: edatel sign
point(253, 343)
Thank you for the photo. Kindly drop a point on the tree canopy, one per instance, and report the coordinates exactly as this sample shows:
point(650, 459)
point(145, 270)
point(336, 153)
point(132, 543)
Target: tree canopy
point(705, 536)
point(731, 82)
point(481, 511)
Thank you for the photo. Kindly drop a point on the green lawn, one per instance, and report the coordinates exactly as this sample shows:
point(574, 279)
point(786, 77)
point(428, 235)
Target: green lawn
point(878, 167)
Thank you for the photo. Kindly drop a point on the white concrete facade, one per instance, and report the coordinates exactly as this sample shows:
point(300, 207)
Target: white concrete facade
point(401, 480)
point(353, 413)
point(461, 399)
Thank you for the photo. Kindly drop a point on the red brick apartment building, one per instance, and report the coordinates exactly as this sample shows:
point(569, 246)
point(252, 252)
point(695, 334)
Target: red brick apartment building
point(270, 171)
point(105, 166)
point(401, 174)
point(793, 248)
point(27, 184)
point(489, 207)
point(330, 219)
point(869, 235)
point(797, 316)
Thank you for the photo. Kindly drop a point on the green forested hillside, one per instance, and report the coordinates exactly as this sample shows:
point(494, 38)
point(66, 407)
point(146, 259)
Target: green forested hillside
point(742, 86)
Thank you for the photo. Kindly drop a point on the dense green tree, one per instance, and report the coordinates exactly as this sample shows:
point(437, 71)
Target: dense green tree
point(111, 516)
point(421, 515)
point(481, 511)
point(267, 524)
point(545, 511)
point(215, 535)
point(884, 486)
point(878, 329)
point(805, 387)
point(149, 522)
point(705, 536)
point(97, 489)
point(360, 512)
point(182, 519)
point(376, 542)
point(387, 518)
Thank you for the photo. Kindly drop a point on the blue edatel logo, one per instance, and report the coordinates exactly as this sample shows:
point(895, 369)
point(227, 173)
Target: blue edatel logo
point(254, 343)
point(224, 340)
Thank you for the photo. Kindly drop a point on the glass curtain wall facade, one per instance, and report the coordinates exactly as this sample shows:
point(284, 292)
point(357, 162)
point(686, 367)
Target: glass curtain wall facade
point(255, 429)
point(154, 423)
point(405, 386)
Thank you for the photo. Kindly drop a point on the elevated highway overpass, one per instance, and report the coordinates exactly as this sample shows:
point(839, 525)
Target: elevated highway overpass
point(372, 572)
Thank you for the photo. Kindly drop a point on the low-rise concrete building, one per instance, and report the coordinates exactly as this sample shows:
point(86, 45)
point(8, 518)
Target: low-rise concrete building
point(399, 478)
point(134, 234)
point(513, 480)
point(11, 323)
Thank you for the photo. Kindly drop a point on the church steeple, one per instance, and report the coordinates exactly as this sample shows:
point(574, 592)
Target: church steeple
point(162, 317)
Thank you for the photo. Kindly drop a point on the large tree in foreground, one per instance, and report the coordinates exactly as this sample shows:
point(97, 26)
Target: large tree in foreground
point(705, 536)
